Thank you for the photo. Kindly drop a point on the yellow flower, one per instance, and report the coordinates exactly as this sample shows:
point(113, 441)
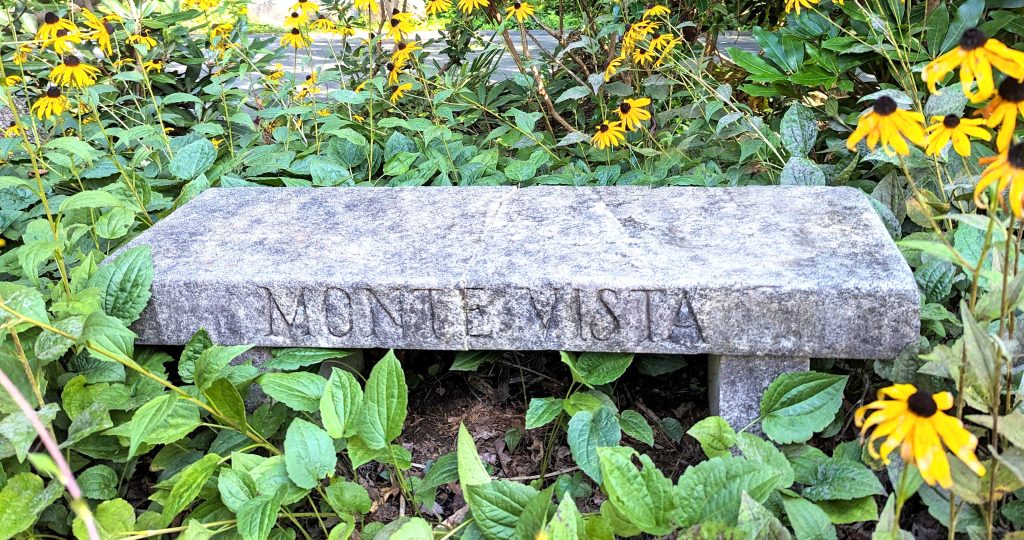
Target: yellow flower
point(642, 56)
point(400, 92)
point(361, 87)
point(323, 112)
point(797, 5)
point(141, 39)
point(10, 80)
point(613, 67)
point(656, 10)
point(13, 130)
point(101, 31)
point(520, 10)
point(668, 49)
point(344, 31)
point(311, 78)
point(52, 23)
point(217, 142)
point(398, 27)
point(913, 420)
point(635, 32)
point(358, 118)
point(153, 65)
point(953, 128)
point(204, 5)
point(467, 6)
point(277, 74)
point(1003, 110)
point(367, 4)
point(72, 72)
point(889, 124)
point(53, 103)
point(295, 39)
point(295, 19)
point(394, 70)
point(660, 41)
point(1008, 169)
point(62, 42)
point(307, 7)
point(609, 134)
point(976, 55)
point(21, 54)
point(403, 52)
point(631, 112)
point(438, 6)
point(323, 25)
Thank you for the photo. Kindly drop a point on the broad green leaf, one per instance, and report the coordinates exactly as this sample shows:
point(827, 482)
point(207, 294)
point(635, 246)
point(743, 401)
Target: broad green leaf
point(224, 397)
point(300, 391)
point(74, 146)
point(416, 528)
point(497, 505)
point(108, 336)
point(309, 454)
point(756, 522)
point(535, 515)
point(113, 518)
point(800, 171)
point(541, 411)
point(854, 510)
point(257, 517)
point(341, 404)
point(199, 342)
point(443, 471)
point(19, 433)
point(715, 436)
point(98, 482)
point(26, 301)
point(634, 425)
point(841, 479)
point(124, 283)
point(602, 368)
point(212, 361)
point(643, 497)
point(471, 360)
point(298, 358)
point(236, 487)
point(809, 522)
point(348, 497)
point(22, 499)
point(757, 449)
point(190, 480)
point(471, 469)
point(50, 346)
point(193, 159)
point(711, 490)
point(385, 403)
point(589, 431)
point(567, 521)
point(798, 129)
point(89, 199)
point(796, 405)
point(147, 417)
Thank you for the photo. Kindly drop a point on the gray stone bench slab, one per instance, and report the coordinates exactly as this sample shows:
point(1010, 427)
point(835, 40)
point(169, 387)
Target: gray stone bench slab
point(759, 274)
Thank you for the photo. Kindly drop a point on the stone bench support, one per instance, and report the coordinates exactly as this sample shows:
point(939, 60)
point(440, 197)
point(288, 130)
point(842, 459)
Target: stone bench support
point(748, 275)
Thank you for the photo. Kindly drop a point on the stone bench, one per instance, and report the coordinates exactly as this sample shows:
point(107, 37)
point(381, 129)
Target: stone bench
point(758, 278)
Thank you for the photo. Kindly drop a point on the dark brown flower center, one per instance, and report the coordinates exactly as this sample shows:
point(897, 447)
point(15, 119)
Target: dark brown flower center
point(295, 14)
point(394, 12)
point(308, 77)
point(1012, 90)
point(1015, 155)
point(972, 38)
point(885, 106)
point(108, 27)
point(603, 128)
point(625, 108)
point(71, 61)
point(517, 5)
point(402, 46)
point(629, 26)
point(395, 22)
point(642, 51)
point(390, 66)
point(922, 404)
point(295, 31)
point(951, 121)
point(53, 92)
point(50, 18)
point(62, 32)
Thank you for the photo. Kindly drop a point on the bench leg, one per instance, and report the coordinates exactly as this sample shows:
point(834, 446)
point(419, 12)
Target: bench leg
point(736, 384)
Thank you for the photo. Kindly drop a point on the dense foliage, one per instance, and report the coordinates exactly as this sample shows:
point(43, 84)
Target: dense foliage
point(130, 109)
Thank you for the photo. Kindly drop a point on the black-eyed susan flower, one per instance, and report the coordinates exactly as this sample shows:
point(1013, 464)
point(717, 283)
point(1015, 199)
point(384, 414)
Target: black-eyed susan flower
point(885, 122)
point(344, 31)
point(10, 80)
point(72, 72)
point(632, 112)
point(12, 130)
point(311, 79)
point(798, 5)
point(53, 23)
point(1006, 170)
point(400, 92)
point(153, 65)
point(361, 86)
point(467, 6)
point(323, 24)
point(307, 7)
point(204, 5)
point(306, 92)
point(52, 103)
point(295, 19)
point(394, 71)
point(520, 10)
point(637, 32)
point(64, 41)
point(643, 56)
point(141, 38)
point(914, 421)
point(403, 52)
point(1003, 110)
point(608, 135)
point(295, 39)
point(359, 118)
point(367, 4)
point(951, 127)
point(397, 27)
point(666, 51)
point(656, 10)
point(21, 54)
point(101, 31)
point(613, 67)
point(277, 74)
point(438, 6)
point(975, 55)
point(660, 40)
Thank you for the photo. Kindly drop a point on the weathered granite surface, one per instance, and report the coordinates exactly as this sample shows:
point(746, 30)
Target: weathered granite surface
point(736, 384)
point(777, 271)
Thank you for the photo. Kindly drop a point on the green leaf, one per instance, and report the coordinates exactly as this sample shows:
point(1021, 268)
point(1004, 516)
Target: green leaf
point(348, 497)
point(124, 283)
point(471, 469)
point(113, 519)
point(26, 301)
point(575, 92)
point(541, 411)
point(385, 403)
point(22, 500)
point(92, 198)
point(109, 335)
point(236, 487)
point(589, 431)
point(300, 391)
point(75, 147)
point(497, 505)
point(800, 171)
point(147, 418)
point(534, 515)
point(190, 480)
point(760, 70)
point(212, 361)
point(842, 479)
point(643, 497)
point(634, 425)
point(715, 436)
point(809, 522)
point(298, 358)
point(50, 346)
point(798, 404)
point(416, 528)
point(193, 159)
point(798, 129)
point(98, 482)
point(967, 16)
point(757, 449)
point(602, 368)
point(199, 342)
point(567, 522)
point(224, 397)
point(19, 432)
point(341, 404)
point(853, 510)
point(308, 454)
point(758, 523)
point(712, 490)
point(445, 470)
point(471, 360)
point(257, 517)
